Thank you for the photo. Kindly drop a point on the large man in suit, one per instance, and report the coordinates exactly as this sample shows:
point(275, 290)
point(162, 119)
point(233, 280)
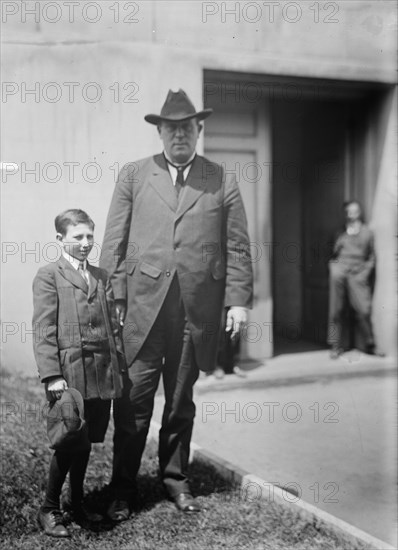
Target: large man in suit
point(176, 248)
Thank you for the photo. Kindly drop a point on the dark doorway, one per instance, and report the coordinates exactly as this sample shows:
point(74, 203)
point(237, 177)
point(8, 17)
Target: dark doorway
point(299, 148)
point(323, 153)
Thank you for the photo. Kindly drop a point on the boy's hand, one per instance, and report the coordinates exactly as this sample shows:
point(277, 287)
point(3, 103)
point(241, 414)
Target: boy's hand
point(56, 388)
point(120, 311)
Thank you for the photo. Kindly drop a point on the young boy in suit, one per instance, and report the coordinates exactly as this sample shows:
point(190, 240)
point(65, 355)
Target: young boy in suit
point(76, 346)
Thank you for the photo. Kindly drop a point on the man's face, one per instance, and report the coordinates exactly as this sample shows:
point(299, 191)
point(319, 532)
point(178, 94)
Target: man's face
point(353, 212)
point(179, 139)
point(77, 241)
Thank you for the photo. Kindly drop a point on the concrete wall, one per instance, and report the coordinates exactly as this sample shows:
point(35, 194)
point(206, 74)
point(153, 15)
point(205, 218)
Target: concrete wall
point(384, 224)
point(350, 38)
point(165, 45)
point(74, 150)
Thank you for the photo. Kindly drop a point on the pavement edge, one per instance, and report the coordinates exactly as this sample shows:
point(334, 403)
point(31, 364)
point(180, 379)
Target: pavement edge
point(311, 513)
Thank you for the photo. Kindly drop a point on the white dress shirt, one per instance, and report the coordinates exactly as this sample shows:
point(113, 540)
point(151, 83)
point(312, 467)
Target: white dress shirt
point(173, 171)
point(76, 264)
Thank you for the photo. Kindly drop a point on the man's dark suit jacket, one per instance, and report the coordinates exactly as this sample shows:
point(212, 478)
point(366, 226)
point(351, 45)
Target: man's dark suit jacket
point(202, 236)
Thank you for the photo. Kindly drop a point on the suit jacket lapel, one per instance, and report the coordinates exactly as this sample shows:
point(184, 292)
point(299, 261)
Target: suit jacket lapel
point(160, 180)
point(194, 187)
point(92, 287)
point(72, 275)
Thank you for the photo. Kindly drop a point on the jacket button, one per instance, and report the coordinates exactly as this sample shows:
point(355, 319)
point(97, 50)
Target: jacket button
point(167, 273)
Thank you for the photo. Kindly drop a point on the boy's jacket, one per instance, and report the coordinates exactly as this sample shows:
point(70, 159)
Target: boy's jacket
point(64, 305)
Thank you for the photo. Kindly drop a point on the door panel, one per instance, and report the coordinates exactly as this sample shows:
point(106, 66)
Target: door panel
point(238, 138)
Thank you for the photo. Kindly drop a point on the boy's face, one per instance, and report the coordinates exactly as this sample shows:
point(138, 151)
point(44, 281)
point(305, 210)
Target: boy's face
point(77, 241)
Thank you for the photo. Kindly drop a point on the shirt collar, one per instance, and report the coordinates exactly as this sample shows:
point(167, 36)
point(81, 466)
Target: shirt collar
point(74, 261)
point(177, 164)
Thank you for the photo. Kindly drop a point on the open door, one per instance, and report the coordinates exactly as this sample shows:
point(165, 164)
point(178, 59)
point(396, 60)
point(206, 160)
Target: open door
point(294, 172)
point(321, 151)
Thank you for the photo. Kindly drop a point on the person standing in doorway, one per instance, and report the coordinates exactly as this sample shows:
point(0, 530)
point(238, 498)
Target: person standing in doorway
point(350, 272)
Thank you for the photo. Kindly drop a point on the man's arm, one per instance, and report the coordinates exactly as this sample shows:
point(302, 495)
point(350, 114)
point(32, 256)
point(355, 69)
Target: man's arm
point(114, 315)
point(115, 245)
point(239, 273)
point(370, 261)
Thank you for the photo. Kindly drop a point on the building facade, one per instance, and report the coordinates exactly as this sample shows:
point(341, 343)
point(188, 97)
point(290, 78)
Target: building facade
point(304, 98)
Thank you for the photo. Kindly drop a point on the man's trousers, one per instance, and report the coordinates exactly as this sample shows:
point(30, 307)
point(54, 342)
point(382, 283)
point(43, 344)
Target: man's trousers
point(352, 284)
point(168, 350)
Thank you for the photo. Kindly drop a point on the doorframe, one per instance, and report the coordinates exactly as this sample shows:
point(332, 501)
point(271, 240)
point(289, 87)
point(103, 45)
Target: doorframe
point(316, 90)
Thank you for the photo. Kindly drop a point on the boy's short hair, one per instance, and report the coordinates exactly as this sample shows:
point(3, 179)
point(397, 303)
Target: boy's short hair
point(73, 216)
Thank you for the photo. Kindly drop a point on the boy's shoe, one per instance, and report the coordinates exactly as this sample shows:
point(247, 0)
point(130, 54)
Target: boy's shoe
point(52, 523)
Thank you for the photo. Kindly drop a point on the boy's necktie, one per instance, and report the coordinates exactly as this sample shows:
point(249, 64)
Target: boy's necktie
point(83, 272)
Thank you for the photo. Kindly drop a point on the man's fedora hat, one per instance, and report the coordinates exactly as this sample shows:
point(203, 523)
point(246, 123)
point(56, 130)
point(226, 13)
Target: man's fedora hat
point(177, 108)
point(66, 427)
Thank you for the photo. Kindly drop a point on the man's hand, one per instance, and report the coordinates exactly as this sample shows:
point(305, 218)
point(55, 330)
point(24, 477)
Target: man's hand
point(56, 388)
point(236, 320)
point(120, 311)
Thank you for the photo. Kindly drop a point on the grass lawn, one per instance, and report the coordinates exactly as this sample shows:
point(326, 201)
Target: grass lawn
point(229, 521)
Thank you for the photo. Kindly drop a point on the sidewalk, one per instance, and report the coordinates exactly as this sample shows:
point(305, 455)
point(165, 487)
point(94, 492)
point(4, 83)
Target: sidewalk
point(322, 429)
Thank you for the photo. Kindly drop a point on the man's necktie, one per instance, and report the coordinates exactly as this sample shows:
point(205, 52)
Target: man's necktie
point(180, 179)
point(180, 175)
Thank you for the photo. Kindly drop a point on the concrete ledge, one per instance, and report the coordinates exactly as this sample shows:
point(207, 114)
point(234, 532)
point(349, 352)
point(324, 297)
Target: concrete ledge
point(248, 482)
point(310, 367)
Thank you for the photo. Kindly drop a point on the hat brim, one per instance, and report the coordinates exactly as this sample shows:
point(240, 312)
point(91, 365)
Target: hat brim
point(156, 119)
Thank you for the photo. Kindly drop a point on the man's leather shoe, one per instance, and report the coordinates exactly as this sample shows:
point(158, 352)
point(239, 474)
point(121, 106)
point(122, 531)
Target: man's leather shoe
point(372, 350)
point(119, 510)
point(239, 372)
point(81, 514)
point(335, 352)
point(186, 503)
point(52, 523)
point(219, 373)
point(78, 511)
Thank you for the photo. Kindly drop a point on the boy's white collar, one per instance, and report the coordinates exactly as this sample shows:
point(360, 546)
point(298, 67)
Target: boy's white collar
point(74, 261)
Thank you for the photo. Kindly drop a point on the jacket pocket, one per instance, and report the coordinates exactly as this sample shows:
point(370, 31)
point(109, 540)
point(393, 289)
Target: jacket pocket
point(150, 270)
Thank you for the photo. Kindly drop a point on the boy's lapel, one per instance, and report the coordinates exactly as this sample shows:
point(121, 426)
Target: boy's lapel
point(72, 275)
point(93, 281)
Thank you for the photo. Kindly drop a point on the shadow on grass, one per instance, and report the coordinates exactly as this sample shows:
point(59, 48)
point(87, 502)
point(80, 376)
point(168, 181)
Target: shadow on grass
point(204, 481)
point(228, 520)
